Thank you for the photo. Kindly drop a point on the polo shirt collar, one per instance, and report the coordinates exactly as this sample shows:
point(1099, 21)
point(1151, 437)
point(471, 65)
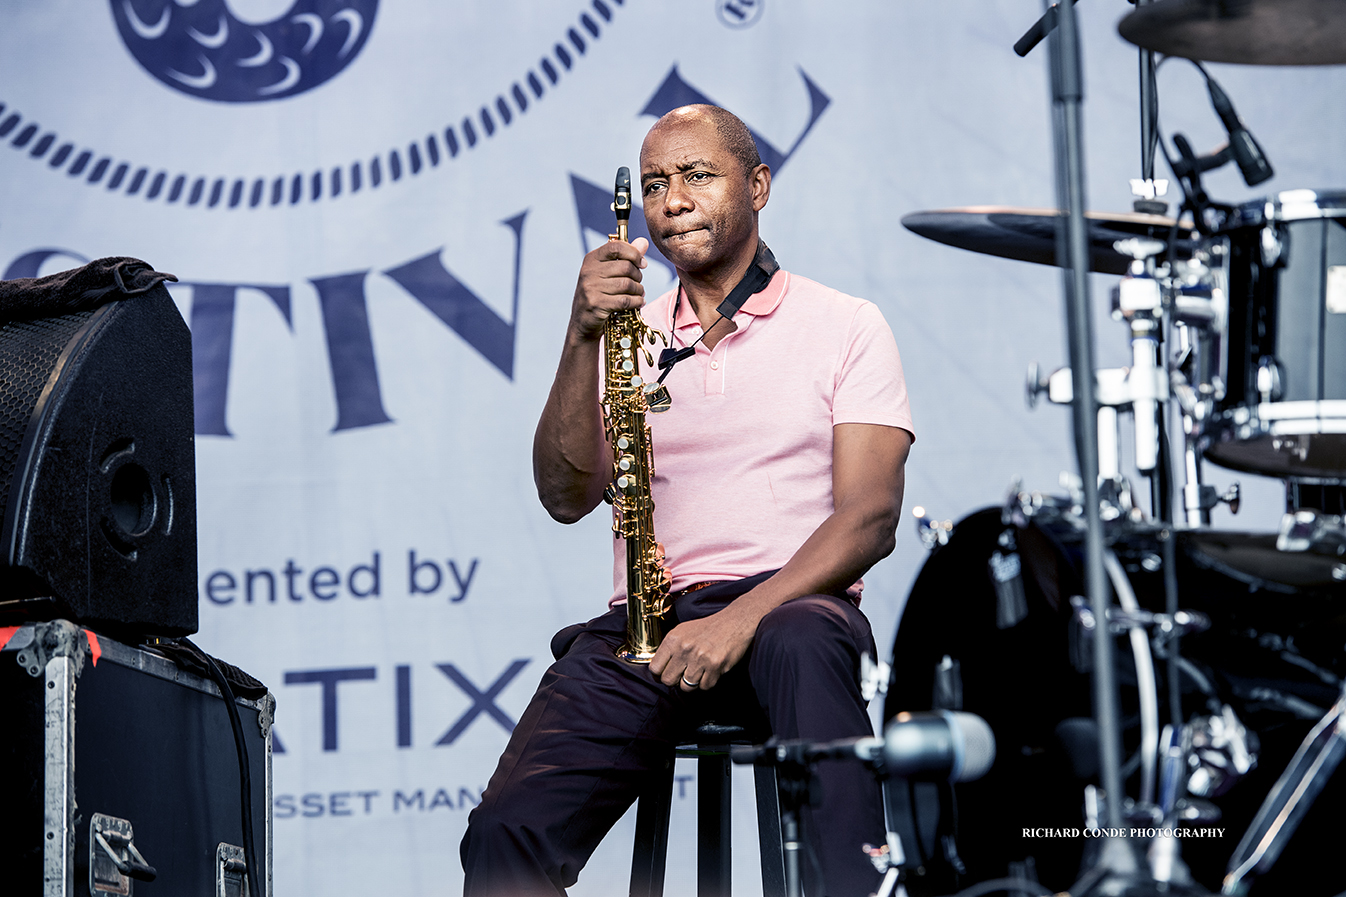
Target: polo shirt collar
point(758, 304)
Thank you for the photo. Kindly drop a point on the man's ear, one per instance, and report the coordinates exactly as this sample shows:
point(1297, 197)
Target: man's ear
point(759, 182)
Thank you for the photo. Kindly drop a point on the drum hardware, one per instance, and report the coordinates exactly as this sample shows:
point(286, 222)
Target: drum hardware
point(1199, 499)
point(1295, 706)
point(1005, 570)
point(1137, 298)
point(1313, 531)
point(1164, 855)
point(1223, 293)
point(1147, 191)
point(1114, 492)
point(932, 532)
point(1218, 751)
point(1286, 649)
point(873, 677)
point(1294, 792)
point(1026, 506)
point(1122, 621)
point(948, 691)
point(1115, 388)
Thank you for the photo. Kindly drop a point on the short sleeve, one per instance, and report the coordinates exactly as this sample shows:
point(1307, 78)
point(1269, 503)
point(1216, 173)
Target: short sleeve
point(870, 387)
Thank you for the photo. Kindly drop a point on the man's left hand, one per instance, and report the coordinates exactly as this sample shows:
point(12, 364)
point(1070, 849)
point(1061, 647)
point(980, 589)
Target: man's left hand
point(697, 653)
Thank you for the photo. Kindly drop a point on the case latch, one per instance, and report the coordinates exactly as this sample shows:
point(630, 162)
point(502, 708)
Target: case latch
point(231, 871)
point(113, 858)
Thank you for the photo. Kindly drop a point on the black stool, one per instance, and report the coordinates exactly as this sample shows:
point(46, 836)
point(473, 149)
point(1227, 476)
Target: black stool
point(714, 860)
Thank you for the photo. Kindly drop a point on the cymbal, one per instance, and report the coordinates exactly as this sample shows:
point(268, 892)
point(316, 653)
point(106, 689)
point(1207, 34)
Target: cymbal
point(1029, 235)
point(1256, 32)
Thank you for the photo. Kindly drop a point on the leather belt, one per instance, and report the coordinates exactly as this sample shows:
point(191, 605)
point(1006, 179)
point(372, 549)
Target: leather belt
point(692, 588)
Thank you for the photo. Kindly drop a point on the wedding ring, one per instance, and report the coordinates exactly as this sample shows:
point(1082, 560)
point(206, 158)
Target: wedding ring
point(690, 684)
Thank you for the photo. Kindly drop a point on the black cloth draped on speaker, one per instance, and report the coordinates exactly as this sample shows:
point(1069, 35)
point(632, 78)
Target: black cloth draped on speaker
point(100, 281)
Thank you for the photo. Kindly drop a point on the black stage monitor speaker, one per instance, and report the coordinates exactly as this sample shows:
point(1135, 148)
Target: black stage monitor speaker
point(97, 468)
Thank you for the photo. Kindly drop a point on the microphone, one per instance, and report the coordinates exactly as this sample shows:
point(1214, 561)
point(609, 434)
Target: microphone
point(927, 746)
point(947, 744)
point(1252, 162)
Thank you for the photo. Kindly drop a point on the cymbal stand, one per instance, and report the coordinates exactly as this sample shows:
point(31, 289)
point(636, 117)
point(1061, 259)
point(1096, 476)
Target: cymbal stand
point(1196, 302)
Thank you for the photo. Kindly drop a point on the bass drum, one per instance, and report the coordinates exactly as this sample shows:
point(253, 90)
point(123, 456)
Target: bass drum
point(1274, 653)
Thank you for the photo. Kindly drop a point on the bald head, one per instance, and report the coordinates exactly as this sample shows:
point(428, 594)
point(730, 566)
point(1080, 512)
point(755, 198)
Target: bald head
point(733, 133)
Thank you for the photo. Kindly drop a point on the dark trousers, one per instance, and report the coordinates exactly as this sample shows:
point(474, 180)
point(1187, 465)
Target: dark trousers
point(598, 727)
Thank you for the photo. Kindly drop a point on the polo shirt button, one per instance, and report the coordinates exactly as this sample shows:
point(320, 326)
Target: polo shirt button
point(714, 365)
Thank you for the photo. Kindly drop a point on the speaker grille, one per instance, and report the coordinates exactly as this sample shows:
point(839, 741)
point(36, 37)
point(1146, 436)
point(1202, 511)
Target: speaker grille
point(28, 352)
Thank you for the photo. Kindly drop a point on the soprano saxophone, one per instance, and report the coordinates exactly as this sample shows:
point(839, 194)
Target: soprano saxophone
point(626, 399)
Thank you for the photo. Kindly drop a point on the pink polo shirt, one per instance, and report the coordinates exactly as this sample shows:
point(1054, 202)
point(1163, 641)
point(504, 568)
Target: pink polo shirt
point(743, 459)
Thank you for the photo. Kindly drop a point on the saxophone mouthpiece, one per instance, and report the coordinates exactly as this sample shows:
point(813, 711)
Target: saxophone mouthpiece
point(621, 194)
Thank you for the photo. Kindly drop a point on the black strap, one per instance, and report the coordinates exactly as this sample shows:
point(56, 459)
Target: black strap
point(764, 267)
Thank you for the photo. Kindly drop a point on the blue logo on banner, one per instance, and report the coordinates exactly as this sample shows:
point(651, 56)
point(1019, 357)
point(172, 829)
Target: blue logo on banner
point(200, 48)
point(175, 40)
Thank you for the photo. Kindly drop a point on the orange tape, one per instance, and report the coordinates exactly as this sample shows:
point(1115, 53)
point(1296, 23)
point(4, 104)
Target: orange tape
point(95, 649)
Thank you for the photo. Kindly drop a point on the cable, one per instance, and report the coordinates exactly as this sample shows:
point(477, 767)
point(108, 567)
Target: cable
point(244, 771)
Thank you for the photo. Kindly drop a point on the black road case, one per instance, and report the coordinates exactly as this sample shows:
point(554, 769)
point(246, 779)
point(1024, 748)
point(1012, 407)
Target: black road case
point(123, 766)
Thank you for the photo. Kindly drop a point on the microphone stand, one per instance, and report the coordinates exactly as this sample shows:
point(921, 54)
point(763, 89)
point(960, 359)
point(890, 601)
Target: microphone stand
point(1116, 863)
point(1073, 246)
point(794, 777)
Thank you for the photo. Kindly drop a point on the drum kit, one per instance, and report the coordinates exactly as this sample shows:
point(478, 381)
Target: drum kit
point(1230, 709)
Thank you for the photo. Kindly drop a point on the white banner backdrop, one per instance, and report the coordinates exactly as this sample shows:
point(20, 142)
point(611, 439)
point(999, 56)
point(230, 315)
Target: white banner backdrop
point(376, 212)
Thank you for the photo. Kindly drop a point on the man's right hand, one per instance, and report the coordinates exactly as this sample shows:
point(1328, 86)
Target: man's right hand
point(572, 463)
point(609, 281)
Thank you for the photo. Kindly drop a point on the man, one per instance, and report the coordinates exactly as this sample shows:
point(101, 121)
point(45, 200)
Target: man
point(779, 474)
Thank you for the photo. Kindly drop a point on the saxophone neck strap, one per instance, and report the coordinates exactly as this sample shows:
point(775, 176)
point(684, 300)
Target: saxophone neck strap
point(764, 267)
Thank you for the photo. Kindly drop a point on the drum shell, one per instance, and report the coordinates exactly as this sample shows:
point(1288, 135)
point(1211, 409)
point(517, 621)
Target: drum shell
point(1021, 679)
point(1286, 280)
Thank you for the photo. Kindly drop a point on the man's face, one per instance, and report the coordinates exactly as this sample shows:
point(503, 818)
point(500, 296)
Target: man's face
point(698, 201)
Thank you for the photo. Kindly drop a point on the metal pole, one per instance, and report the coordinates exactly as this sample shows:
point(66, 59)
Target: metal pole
point(1073, 246)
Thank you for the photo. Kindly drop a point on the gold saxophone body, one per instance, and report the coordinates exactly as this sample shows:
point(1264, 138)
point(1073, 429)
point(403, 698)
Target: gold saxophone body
point(626, 399)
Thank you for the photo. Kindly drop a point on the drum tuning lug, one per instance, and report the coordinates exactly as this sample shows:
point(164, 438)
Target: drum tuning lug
point(1269, 379)
point(1273, 248)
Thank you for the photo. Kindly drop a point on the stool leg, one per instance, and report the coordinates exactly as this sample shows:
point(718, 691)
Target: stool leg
point(651, 844)
point(714, 856)
point(769, 832)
